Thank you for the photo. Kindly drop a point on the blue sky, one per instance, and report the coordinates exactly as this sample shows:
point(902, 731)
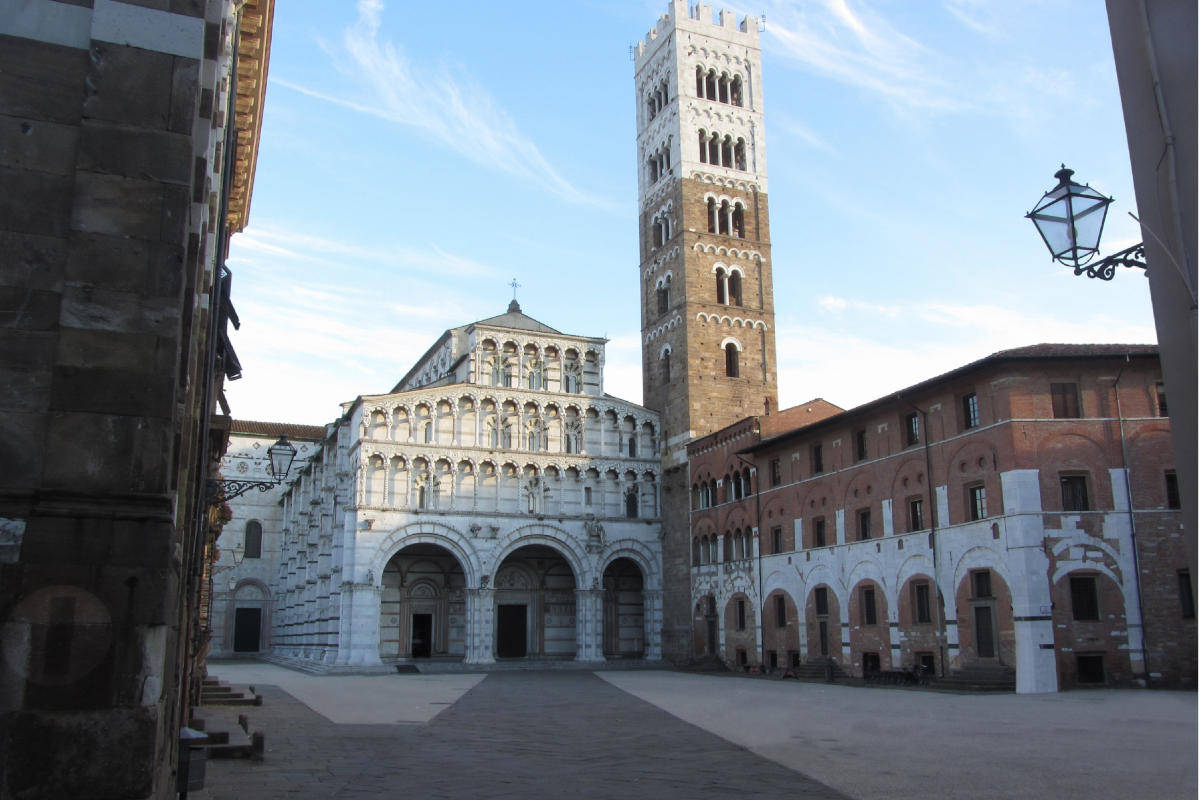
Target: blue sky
point(414, 160)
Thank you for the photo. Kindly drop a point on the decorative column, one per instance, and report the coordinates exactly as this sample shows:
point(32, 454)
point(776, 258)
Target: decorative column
point(589, 625)
point(652, 616)
point(481, 625)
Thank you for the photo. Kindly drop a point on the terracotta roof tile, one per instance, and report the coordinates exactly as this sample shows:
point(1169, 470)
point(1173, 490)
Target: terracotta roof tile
point(314, 432)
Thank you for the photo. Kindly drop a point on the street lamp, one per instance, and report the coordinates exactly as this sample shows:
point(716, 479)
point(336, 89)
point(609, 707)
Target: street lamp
point(281, 454)
point(1070, 218)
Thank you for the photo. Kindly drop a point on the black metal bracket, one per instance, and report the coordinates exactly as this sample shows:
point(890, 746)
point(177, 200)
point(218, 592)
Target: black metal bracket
point(1106, 268)
point(220, 491)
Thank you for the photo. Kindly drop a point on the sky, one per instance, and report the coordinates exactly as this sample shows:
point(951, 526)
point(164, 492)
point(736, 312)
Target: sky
point(414, 161)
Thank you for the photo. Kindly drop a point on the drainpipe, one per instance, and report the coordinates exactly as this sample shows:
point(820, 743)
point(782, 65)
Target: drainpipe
point(929, 493)
point(1137, 573)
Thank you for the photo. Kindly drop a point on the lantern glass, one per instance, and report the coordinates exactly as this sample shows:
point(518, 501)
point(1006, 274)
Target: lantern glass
point(1070, 218)
point(281, 454)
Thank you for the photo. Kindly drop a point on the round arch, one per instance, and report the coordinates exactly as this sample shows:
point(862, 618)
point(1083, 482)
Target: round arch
point(551, 536)
point(434, 533)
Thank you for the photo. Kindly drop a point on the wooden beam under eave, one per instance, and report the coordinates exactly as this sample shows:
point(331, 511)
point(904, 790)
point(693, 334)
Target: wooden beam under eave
point(254, 51)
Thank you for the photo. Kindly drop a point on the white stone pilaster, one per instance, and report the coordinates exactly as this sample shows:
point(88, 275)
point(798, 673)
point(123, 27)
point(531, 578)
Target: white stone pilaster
point(481, 624)
point(589, 625)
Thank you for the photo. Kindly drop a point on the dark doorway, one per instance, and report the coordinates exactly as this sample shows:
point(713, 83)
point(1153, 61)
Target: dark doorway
point(823, 628)
point(870, 664)
point(247, 623)
point(1090, 668)
point(422, 635)
point(985, 634)
point(510, 633)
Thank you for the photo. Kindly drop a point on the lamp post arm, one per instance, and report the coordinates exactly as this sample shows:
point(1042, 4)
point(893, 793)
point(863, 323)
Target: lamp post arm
point(1106, 268)
point(221, 491)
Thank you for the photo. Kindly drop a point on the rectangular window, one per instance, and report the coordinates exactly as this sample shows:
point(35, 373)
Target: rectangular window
point(776, 472)
point(818, 461)
point(1160, 396)
point(860, 445)
point(780, 611)
point(1187, 602)
point(977, 501)
point(921, 603)
point(773, 659)
point(821, 601)
point(1074, 492)
point(1172, 489)
point(868, 606)
point(916, 514)
point(912, 429)
point(587, 495)
point(1065, 399)
point(741, 615)
point(970, 409)
point(819, 532)
point(864, 524)
point(1085, 606)
point(981, 583)
point(776, 540)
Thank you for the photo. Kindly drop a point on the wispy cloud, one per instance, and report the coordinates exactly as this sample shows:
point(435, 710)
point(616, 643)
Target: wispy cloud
point(790, 126)
point(442, 103)
point(971, 14)
point(287, 243)
point(857, 46)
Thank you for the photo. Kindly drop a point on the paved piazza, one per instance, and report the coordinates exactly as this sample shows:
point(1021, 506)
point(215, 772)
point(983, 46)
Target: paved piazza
point(659, 734)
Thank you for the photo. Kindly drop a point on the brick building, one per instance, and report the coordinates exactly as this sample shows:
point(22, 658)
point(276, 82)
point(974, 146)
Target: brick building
point(128, 137)
point(1019, 513)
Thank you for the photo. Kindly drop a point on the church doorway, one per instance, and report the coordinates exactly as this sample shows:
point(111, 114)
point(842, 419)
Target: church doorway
point(511, 631)
point(422, 635)
point(624, 610)
point(423, 605)
point(535, 605)
point(246, 625)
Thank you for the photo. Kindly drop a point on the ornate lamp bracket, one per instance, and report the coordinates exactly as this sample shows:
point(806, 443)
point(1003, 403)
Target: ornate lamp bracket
point(1106, 268)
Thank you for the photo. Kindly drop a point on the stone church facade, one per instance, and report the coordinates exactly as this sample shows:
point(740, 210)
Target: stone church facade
point(495, 504)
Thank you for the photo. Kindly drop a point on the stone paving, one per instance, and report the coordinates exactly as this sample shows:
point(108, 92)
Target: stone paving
point(514, 735)
point(663, 735)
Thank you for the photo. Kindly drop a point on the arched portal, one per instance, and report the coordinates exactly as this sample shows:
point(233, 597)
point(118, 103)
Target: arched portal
point(535, 604)
point(250, 617)
point(624, 610)
point(422, 604)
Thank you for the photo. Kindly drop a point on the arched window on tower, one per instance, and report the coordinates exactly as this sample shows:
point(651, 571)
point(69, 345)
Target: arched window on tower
point(727, 151)
point(666, 366)
point(723, 218)
point(739, 221)
point(712, 215)
point(710, 85)
point(714, 149)
point(735, 288)
point(703, 147)
point(652, 166)
point(722, 296)
point(699, 81)
point(735, 91)
point(723, 88)
point(739, 154)
point(731, 360)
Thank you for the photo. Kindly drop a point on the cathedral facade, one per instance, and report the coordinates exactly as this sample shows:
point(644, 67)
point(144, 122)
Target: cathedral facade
point(494, 504)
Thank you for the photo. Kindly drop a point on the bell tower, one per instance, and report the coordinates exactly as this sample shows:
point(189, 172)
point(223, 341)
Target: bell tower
point(708, 320)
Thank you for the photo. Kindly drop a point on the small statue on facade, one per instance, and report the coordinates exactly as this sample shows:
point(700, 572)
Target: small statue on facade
point(370, 577)
point(483, 581)
point(595, 533)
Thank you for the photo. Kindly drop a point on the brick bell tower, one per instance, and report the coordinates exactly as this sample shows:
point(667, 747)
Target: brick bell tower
point(708, 320)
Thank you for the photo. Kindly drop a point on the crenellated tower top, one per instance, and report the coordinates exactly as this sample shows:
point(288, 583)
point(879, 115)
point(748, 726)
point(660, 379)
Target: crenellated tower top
point(682, 15)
